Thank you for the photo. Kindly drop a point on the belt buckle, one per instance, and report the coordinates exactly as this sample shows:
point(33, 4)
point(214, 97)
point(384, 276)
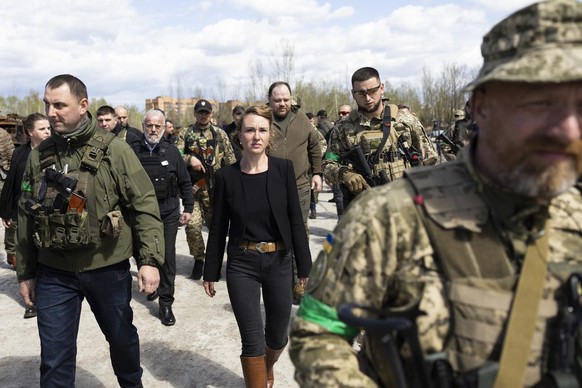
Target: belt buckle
point(259, 246)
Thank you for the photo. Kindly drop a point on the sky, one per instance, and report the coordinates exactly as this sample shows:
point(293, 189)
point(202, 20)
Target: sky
point(128, 50)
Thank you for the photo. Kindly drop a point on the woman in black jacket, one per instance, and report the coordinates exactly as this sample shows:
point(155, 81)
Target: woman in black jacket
point(257, 205)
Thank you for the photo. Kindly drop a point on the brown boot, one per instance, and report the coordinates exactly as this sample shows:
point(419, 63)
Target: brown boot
point(254, 371)
point(271, 358)
point(11, 259)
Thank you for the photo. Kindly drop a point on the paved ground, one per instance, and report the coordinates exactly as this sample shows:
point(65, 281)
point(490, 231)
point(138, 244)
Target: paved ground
point(201, 350)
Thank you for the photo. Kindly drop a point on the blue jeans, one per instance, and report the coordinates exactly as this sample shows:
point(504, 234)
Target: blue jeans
point(246, 274)
point(59, 298)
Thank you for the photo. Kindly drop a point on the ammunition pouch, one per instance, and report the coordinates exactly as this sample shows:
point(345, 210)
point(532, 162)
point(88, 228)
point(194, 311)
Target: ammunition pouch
point(112, 224)
point(61, 231)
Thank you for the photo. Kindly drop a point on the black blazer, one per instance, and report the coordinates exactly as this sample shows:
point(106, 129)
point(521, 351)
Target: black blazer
point(229, 209)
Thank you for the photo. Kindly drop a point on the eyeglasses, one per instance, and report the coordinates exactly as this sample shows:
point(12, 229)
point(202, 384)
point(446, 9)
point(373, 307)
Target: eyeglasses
point(344, 113)
point(369, 92)
point(152, 126)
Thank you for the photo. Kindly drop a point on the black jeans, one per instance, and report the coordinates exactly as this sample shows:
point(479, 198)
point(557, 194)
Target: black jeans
point(246, 273)
point(168, 270)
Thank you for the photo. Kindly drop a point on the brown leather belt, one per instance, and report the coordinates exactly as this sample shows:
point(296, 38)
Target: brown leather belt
point(263, 247)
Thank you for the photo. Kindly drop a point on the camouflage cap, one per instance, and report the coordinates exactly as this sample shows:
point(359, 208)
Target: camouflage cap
point(539, 43)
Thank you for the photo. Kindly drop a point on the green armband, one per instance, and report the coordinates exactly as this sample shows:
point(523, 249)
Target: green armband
point(331, 156)
point(312, 310)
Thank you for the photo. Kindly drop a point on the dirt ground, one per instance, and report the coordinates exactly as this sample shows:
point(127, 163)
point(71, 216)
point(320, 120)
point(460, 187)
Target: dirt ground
point(201, 350)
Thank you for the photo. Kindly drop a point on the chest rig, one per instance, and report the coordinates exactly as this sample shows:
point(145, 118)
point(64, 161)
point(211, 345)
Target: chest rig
point(58, 206)
point(157, 167)
point(480, 273)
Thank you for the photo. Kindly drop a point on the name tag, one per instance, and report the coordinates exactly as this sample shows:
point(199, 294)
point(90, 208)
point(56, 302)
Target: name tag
point(165, 163)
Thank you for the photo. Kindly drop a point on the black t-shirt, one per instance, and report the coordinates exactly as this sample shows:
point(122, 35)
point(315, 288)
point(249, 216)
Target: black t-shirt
point(261, 224)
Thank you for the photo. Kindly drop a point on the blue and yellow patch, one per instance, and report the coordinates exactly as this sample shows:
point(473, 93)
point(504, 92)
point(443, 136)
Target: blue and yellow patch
point(328, 243)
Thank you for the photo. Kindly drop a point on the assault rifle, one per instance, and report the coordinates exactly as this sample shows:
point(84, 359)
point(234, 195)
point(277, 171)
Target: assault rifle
point(201, 179)
point(387, 331)
point(412, 155)
point(362, 166)
point(445, 139)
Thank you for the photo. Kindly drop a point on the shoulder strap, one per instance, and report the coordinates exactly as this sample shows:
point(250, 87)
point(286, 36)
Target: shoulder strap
point(524, 312)
point(386, 127)
point(47, 151)
point(95, 150)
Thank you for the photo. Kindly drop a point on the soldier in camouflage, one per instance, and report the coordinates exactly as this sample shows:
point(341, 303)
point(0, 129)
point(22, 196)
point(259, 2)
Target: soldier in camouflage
point(420, 140)
point(364, 128)
point(206, 149)
point(469, 250)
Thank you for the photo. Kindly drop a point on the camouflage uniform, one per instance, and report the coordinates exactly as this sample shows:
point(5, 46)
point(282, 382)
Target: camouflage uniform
point(382, 255)
point(357, 129)
point(195, 141)
point(450, 242)
point(420, 139)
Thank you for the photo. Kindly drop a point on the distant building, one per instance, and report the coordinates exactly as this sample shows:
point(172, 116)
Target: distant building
point(182, 108)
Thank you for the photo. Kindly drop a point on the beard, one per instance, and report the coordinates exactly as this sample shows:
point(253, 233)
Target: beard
point(281, 115)
point(530, 178)
point(370, 110)
point(152, 139)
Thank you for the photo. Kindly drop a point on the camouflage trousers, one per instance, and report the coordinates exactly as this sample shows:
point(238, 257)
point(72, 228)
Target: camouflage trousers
point(201, 215)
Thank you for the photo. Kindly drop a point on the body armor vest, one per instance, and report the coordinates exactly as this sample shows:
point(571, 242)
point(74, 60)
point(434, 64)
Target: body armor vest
point(481, 277)
point(156, 166)
point(61, 219)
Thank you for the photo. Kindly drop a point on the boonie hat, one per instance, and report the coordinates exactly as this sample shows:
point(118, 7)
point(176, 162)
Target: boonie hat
point(539, 43)
point(202, 105)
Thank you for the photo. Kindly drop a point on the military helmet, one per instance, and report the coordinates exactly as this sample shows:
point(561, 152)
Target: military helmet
point(539, 43)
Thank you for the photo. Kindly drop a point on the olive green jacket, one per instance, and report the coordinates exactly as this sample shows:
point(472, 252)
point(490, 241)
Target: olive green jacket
point(120, 183)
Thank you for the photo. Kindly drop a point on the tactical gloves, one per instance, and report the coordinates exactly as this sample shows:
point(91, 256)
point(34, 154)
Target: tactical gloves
point(354, 181)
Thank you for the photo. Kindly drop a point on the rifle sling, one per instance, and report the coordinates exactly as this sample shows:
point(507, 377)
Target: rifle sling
point(523, 316)
point(386, 126)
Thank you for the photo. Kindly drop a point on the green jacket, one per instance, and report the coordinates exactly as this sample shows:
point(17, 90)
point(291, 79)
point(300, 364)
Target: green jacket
point(120, 183)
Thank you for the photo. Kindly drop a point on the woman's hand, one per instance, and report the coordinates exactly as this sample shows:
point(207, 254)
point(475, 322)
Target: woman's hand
point(209, 288)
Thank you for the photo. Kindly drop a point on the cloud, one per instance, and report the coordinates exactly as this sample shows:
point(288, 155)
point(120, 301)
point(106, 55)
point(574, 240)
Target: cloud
point(128, 51)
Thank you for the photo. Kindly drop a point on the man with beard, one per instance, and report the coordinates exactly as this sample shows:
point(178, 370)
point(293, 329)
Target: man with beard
point(295, 139)
point(165, 167)
point(364, 130)
point(476, 262)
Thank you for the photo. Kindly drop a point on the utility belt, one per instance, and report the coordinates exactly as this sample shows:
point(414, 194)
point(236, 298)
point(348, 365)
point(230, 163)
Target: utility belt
point(263, 247)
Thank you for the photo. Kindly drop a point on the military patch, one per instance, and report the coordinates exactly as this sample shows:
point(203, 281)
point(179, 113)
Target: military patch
point(328, 243)
point(26, 187)
point(317, 271)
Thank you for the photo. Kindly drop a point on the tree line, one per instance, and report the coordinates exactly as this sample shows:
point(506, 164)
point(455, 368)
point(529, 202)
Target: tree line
point(435, 99)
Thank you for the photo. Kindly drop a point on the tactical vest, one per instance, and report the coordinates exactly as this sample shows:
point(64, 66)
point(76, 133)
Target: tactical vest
point(156, 166)
point(390, 159)
point(480, 275)
point(205, 149)
point(60, 216)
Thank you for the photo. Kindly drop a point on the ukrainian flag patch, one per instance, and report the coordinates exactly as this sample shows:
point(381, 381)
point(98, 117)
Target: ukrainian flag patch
point(328, 243)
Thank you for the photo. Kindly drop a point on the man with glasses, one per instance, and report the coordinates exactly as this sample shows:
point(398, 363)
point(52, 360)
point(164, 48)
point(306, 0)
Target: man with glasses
point(206, 149)
point(163, 163)
point(361, 153)
point(343, 112)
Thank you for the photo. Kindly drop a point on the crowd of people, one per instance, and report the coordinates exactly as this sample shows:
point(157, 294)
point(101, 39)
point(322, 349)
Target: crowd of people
point(470, 265)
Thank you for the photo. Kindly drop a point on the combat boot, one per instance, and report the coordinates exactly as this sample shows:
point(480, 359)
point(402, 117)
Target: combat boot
point(271, 357)
point(198, 269)
point(254, 371)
